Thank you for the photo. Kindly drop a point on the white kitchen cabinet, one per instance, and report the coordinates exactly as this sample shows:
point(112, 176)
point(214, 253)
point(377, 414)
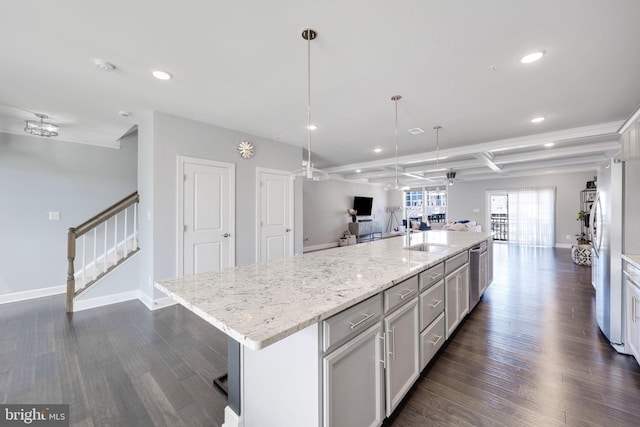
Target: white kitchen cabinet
point(402, 352)
point(456, 297)
point(431, 340)
point(353, 390)
point(633, 315)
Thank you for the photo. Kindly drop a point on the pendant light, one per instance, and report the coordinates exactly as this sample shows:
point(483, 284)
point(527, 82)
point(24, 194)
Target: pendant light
point(41, 128)
point(307, 170)
point(437, 129)
point(395, 99)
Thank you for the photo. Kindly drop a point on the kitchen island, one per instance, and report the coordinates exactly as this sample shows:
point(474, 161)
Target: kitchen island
point(278, 312)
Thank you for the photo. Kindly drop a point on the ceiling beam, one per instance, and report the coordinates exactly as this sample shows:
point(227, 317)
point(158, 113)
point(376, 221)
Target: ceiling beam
point(486, 158)
point(604, 130)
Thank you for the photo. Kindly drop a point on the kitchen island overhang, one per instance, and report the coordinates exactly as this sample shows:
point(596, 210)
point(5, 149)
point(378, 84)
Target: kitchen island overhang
point(281, 303)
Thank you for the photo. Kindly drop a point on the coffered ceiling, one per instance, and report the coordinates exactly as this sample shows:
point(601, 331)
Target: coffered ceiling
point(242, 65)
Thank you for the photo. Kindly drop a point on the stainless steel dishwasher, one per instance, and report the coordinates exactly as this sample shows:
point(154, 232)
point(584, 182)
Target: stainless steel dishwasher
point(478, 273)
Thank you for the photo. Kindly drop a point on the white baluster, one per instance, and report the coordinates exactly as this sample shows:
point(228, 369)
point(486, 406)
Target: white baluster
point(115, 239)
point(125, 232)
point(105, 246)
point(135, 226)
point(84, 262)
point(95, 247)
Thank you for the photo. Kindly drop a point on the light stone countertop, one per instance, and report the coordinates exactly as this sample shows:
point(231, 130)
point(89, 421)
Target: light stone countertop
point(260, 304)
point(633, 259)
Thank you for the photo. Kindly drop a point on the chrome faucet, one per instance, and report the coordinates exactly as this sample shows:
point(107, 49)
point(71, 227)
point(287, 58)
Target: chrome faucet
point(408, 227)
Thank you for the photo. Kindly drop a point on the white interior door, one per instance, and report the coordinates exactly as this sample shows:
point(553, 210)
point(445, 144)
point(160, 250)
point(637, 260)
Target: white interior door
point(205, 216)
point(275, 219)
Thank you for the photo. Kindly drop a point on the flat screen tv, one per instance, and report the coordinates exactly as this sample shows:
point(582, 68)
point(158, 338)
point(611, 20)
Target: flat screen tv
point(363, 205)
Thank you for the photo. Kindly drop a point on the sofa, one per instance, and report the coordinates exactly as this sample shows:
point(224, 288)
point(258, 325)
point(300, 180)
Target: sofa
point(457, 226)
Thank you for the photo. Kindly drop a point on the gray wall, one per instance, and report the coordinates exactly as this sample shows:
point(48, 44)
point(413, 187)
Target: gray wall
point(172, 136)
point(464, 197)
point(38, 175)
point(326, 204)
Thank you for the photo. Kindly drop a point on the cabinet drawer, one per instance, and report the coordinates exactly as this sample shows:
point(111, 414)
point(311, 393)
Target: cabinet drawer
point(431, 276)
point(400, 293)
point(457, 261)
point(431, 340)
point(350, 322)
point(431, 304)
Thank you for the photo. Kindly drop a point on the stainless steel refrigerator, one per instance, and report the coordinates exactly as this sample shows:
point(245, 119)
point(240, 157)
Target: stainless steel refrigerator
point(614, 230)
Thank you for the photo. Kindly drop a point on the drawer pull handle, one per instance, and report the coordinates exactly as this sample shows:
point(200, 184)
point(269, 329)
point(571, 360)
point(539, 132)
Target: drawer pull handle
point(439, 337)
point(361, 321)
point(407, 293)
point(384, 350)
point(436, 303)
point(435, 276)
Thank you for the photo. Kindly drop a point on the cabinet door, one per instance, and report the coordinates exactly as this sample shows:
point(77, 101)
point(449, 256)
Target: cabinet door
point(463, 292)
point(633, 319)
point(353, 382)
point(403, 352)
point(451, 299)
point(457, 297)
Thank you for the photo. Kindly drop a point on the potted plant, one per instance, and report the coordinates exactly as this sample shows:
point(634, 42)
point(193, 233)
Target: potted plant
point(584, 217)
point(582, 239)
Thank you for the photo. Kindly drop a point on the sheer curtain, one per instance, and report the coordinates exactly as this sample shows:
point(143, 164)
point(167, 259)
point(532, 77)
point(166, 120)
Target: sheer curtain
point(532, 212)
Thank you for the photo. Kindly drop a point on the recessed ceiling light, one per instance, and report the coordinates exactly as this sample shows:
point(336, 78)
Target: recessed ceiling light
point(549, 144)
point(161, 75)
point(377, 150)
point(312, 127)
point(415, 131)
point(537, 120)
point(532, 57)
point(358, 170)
point(103, 65)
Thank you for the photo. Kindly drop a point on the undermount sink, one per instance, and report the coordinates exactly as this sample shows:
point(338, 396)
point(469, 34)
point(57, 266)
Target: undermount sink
point(429, 247)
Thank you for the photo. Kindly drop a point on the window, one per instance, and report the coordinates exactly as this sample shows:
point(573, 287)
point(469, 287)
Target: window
point(532, 216)
point(429, 204)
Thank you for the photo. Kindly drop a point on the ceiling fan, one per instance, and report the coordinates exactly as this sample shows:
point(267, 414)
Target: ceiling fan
point(451, 177)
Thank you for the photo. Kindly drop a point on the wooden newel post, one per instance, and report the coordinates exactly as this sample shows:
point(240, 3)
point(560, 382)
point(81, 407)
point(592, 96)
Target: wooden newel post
point(71, 256)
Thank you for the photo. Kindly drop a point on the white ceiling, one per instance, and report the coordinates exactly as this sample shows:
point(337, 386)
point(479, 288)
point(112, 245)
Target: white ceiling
point(242, 65)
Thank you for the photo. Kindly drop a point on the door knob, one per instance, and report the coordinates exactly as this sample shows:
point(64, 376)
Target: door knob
point(287, 230)
point(226, 235)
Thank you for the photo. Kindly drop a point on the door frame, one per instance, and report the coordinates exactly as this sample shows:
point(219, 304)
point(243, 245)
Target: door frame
point(181, 160)
point(287, 174)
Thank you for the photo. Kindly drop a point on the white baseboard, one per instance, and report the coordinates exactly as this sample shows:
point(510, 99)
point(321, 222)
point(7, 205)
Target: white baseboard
point(145, 299)
point(163, 302)
point(156, 304)
point(319, 247)
point(31, 294)
point(564, 245)
point(231, 419)
point(85, 304)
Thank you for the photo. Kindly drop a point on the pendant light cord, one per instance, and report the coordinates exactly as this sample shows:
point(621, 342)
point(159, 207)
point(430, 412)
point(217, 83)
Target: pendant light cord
point(309, 104)
point(395, 99)
point(396, 137)
point(437, 128)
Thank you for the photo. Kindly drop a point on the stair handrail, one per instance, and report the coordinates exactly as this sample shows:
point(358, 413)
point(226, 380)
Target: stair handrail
point(106, 214)
point(92, 223)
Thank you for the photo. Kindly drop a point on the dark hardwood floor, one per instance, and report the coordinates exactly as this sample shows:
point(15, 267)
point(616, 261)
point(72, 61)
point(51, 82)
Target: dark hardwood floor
point(119, 365)
point(530, 354)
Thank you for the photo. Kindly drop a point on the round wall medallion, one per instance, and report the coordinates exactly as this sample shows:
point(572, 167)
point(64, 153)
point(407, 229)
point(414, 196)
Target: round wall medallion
point(245, 148)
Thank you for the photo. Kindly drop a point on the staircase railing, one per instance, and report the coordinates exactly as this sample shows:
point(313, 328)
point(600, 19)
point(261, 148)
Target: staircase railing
point(111, 237)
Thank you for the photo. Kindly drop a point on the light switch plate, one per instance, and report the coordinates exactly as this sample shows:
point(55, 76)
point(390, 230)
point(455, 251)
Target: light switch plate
point(54, 216)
